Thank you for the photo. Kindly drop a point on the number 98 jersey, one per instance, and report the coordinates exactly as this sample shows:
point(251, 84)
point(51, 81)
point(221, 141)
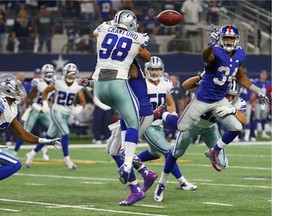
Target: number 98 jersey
point(64, 94)
point(116, 49)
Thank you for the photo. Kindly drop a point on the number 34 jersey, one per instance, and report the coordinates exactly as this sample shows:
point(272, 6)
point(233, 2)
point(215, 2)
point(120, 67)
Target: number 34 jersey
point(64, 94)
point(116, 49)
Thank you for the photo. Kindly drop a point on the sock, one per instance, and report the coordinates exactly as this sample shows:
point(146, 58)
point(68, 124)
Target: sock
point(143, 171)
point(229, 136)
point(169, 163)
point(64, 141)
point(18, 144)
point(130, 149)
point(146, 156)
point(176, 171)
point(181, 180)
point(170, 119)
point(163, 178)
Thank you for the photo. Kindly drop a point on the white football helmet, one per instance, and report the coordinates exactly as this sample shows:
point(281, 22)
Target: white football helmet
point(126, 19)
point(234, 91)
point(154, 69)
point(70, 72)
point(11, 87)
point(47, 72)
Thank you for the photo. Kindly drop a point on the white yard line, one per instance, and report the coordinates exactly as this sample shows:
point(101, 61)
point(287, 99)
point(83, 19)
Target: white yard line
point(10, 210)
point(78, 207)
point(213, 203)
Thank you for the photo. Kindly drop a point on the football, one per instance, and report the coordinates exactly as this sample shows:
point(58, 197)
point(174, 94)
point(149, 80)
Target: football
point(169, 17)
point(223, 160)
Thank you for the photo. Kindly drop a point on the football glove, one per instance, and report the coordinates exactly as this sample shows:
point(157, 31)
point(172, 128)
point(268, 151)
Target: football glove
point(214, 34)
point(45, 107)
point(262, 98)
point(83, 81)
point(37, 107)
point(54, 142)
point(225, 110)
point(75, 110)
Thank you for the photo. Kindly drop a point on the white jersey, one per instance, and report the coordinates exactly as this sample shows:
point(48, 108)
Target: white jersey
point(158, 94)
point(64, 94)
point(41, 85)
point(116, 50)
point(7, 113)
point(207, 120)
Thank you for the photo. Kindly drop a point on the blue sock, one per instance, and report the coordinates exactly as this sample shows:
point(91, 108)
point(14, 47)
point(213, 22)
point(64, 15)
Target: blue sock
point(8, 170)
point(169, 163)
point(65, 141)
point(18, 144)
point(263, 122)
point(172, 120)
point(175, 169)
point(146, 156)
point(229, 136)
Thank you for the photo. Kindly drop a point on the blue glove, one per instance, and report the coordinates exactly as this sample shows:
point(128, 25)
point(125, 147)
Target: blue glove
point(214, 34)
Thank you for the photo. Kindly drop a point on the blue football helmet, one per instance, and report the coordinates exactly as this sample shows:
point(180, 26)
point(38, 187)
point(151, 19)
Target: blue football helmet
point(229, 37)
point(126, 19)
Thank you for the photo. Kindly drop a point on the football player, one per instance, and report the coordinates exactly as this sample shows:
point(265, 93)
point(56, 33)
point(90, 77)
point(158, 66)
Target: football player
point(118, 44)
point(223, 58)
point(66, 89)
point(207, 127)
point(34, 100)
point(11, 91)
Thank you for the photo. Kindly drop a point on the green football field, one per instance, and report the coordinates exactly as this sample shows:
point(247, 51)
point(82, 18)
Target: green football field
point(49, 188)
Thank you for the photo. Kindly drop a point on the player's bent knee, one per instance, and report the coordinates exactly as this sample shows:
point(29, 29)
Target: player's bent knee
point(238, 126)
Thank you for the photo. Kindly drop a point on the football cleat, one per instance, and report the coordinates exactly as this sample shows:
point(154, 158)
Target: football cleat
point(158, 112)
point(29, 158)
point(45, 156)
point(124, 173)
point(187, 186)
point(159, 193)
point(70, 164)
point(135, 195)
point(149, 180)
point(213, 156)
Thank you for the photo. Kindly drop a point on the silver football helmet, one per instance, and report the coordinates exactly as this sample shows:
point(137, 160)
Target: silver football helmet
point(126, 19)
point(154, 69)
point(70, 72)
point(47, 72)
point(11, 87)
point(234, 91)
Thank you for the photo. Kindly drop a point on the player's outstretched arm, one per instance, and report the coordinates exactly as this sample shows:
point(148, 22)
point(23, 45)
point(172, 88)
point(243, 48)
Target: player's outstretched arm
point(17, 127)
point(191, 83)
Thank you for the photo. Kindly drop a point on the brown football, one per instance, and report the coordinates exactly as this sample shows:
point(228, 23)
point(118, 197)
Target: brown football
point(169, 17)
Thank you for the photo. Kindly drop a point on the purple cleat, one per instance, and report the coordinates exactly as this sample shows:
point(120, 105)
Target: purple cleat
point(149, 178)
point(135, 195)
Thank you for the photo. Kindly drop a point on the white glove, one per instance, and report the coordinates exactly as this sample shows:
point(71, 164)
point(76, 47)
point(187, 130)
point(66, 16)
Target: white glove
point(37, 107)
point(54, 142)
point(262, 97)
point(75, 110)
point(45, 107)
point(225, 110)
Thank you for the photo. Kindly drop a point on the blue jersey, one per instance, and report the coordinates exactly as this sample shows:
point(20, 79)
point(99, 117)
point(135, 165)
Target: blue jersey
point(215, 83)
point(139, 88)
point(245, 94)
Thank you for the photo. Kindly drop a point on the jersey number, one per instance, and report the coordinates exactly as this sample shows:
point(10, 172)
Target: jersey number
point(65, 99)
point(115, 47)
point(225, 75)
point(157, 100)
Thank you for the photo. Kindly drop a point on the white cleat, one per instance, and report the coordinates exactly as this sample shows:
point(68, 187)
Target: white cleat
point(159, 192)
point(70, 164)
point(29, 158)
point(265, 136)
point(188, 186)
point(45, 156)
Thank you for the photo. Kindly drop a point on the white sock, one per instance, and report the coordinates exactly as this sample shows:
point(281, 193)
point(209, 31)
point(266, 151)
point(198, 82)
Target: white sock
point(32, 153)
point(130, 149)
point(247, 134)
point(164, 178)
point(181, 179)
